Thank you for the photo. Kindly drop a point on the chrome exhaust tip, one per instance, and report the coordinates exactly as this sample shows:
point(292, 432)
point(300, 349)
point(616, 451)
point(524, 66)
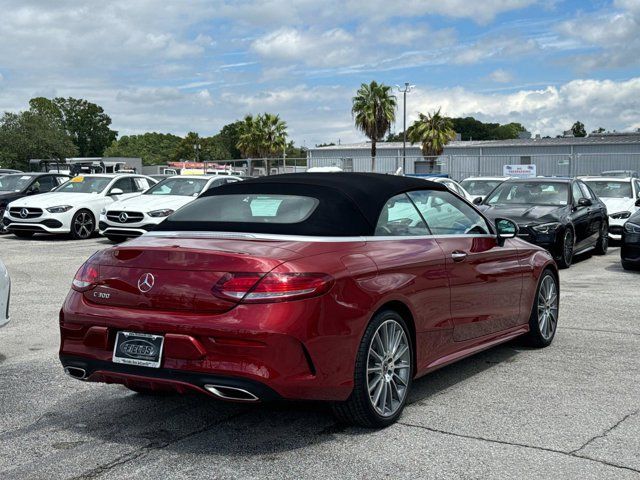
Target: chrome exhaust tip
point(76, 372)
point(231, 393)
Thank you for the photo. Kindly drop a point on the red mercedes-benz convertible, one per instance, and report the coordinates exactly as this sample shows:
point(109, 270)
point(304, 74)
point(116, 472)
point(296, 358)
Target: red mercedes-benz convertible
point(342, 287)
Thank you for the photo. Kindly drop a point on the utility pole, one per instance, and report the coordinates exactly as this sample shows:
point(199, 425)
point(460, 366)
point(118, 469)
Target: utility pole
point(407, 88)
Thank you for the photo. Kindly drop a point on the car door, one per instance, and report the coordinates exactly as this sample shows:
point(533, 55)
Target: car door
point(597, 213)
point(580, 218)
point(485, 279)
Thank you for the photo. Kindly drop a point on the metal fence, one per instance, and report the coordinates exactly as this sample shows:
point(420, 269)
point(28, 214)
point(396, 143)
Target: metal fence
point(460, 167)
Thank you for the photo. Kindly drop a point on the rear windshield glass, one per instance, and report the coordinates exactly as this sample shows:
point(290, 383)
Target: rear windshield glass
point(250, 208)
point(187, 187)
point(608, 189)
point(530, 193)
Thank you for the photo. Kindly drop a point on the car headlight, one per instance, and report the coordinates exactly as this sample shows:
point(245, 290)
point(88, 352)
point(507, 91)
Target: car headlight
point(103, 211)
point(619, 215)
point(165, 212)
point(59, 209)
point(631, 227)
point(547, 228)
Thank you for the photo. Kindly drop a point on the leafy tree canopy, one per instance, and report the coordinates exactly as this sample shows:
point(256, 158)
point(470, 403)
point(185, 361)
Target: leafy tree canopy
point(579, 130)
point(154, 148)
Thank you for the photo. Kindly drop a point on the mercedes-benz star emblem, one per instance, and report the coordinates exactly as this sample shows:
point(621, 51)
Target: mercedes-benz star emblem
point(123, 217)
point(145, 282)
point(24, 213)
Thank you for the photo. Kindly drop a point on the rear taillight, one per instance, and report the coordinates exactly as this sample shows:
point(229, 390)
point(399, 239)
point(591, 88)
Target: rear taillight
point(86, 277)
point(272, 287)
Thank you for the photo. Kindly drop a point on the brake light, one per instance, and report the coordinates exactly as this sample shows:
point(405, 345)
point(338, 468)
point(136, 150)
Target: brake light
point(272, 287)
point(86, 277)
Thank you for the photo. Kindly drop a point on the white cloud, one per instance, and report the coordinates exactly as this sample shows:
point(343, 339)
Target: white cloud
point(549, 111)
point(501, 76)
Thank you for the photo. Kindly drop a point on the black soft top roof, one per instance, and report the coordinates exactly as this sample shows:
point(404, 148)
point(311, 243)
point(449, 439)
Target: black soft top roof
point(350, 203)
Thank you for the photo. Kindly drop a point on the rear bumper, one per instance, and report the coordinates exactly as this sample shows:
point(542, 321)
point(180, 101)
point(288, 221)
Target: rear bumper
point(284, 347)
point(162, 378)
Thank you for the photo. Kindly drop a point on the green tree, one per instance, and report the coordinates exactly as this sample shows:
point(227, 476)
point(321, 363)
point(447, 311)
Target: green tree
point(599, 130)
point(28, 135)
point(262, 136)
point(154, 148)
point(374, 110)
point(229, 136)
point(579, 130)
point(508, 131)
point(86, 123)
point(433, 131)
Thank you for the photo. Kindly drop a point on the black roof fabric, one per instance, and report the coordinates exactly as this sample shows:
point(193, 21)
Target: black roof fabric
point(350, 203)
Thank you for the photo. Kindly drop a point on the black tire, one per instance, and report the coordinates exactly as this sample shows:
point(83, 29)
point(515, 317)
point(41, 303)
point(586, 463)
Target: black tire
point(83, 225)
point(23, 234)
point(535, 337)
point(358, 408)
point(603, 240)
point(565, 255)
point(115, 239)
point(630, 266)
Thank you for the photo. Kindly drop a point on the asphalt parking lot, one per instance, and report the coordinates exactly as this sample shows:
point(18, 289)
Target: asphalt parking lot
point(569, 411)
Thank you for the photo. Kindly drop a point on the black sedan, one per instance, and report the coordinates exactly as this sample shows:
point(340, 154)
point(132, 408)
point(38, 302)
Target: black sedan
point(18, 185)
point(630, 251)
point(562, 215)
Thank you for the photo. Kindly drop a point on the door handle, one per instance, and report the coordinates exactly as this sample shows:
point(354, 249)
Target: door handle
point(458, 256)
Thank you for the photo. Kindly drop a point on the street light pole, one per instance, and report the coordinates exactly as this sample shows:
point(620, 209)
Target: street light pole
point(407, 88)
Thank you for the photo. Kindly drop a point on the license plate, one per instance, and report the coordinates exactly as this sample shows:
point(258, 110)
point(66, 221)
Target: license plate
point(141, 349)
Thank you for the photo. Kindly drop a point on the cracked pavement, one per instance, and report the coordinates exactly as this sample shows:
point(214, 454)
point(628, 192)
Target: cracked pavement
point(569, 411)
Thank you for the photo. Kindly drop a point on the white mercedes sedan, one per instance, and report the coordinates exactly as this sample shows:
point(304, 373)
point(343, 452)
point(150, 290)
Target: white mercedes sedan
point(620, 195)
point(135, 216)
point(5, 294)
point(74, 207)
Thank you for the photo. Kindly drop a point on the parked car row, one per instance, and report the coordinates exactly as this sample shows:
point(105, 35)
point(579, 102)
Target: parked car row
point(113, 204)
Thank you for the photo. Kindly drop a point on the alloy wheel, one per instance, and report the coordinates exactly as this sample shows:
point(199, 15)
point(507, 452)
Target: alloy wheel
point(388, 368)
point(604, 237)
point(548, 307)
point(567, 248)
point(83, 225)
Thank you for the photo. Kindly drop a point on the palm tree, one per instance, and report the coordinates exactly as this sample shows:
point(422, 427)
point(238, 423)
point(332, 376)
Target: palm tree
point(262, 136)
point(433, 131)
point(374, 110)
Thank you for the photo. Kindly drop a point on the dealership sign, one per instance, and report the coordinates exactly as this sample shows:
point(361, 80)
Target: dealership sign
point(519, 171)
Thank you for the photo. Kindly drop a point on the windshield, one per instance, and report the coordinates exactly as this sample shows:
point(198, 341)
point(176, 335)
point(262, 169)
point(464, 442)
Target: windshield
point(480, 187)
point(187, 187)
point(251, 208)
point(530, 193)
point(611, 189)
point(84, 184)
point(15, 183)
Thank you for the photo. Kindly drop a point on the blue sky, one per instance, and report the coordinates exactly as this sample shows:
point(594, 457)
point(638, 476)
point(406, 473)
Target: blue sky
point(176, 66)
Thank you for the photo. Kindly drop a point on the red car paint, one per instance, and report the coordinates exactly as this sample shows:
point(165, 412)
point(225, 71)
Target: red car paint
point(305, 348)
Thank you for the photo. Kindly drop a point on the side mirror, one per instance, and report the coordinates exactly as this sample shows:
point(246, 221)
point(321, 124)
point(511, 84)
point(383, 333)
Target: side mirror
point(477, 200)
point(585, 202)
point(506, 229)
point(115, 191)
point(638, 202)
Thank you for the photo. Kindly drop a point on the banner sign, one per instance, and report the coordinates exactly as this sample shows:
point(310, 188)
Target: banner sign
point(519, 171)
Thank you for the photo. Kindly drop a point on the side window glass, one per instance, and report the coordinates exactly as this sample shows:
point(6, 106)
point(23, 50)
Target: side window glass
point(399, 217)
point(124, 184)
point(141, 184)
point(446, 214)
point(637, 182)
point(586, 191)
point(45, 184)
point(577, 193)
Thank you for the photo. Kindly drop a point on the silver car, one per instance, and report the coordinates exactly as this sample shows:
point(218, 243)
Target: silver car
point(5, 293)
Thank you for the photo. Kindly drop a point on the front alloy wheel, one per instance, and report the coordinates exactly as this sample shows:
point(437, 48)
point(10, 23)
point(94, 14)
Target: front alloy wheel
point(544, 315)
point(383, 374)
point(566, 250)
point(82, 225)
